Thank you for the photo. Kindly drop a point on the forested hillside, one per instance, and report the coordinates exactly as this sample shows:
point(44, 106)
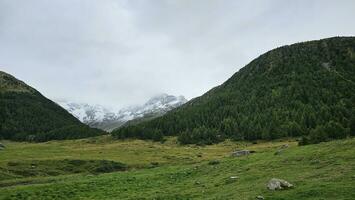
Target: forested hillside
point(306, 89)
point(25, 114)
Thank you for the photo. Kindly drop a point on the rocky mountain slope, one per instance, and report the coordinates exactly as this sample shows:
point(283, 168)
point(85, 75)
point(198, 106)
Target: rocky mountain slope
point(108, 119)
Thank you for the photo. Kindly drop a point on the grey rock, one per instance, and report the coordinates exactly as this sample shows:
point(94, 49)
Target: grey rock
point(278, 152)
point(260, 197)
point(232, 179)
point(2, 146)
point(278, 184)
point(285, 146)
point(241, 153)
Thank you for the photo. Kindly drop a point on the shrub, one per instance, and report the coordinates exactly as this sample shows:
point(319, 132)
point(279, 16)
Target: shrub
point(214, 162)
point(105, 166)
point(304, 141)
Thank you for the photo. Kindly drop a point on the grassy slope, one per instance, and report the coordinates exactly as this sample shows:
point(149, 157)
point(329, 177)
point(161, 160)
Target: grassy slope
point(323, 171)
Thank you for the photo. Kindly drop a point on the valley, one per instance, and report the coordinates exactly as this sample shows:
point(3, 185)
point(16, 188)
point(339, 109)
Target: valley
point(280, 128)
point(170, 171)
point(177, 100)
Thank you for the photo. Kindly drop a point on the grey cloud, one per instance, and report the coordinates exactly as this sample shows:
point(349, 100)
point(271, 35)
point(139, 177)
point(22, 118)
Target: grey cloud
point(122, 52)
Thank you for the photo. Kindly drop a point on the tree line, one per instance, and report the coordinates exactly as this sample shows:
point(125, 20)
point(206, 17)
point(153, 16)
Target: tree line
point(305, 90)
point(31, 117)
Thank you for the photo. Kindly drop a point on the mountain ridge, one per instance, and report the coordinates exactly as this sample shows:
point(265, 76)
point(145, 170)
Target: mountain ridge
point(109, 119)
point(9, 83)
point(26, 115)
point(294, 90)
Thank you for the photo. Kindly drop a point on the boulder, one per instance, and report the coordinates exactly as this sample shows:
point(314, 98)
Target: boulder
point(2, 146)
point(260, 197)
point(241, 153)
point(278, 184)
point(285, 146)
point(278, 152)
point(232, 179)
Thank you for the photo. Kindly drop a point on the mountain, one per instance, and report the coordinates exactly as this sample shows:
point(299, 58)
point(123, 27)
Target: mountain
point(108, 119)
point(25, 114)
point(92, 115)
point(305, 89)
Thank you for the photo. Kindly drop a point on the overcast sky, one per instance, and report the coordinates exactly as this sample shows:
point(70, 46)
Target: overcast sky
point(120, 53)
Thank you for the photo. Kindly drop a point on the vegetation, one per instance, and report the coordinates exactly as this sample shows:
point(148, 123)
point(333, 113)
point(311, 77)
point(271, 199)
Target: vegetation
point(305, 89)
point(40, 168)
point(201, 136)
point(27, 115)
point(331, 130)
point(67, 170)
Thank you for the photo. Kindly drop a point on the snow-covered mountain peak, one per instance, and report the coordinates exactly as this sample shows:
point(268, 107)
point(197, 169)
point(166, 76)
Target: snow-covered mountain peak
point(105, 118)
point(164, 101)
point(85, 112)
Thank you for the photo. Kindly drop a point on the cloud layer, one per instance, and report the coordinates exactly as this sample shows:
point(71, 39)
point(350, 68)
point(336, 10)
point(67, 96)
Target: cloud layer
point(121, 53)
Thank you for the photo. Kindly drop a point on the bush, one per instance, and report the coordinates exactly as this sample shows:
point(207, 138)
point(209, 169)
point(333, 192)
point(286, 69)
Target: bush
point(214, 162)
point(304, 141)
point(318, 135)
point(331, 130)
point(335, 130)
point(105, 166)
point(157, 135)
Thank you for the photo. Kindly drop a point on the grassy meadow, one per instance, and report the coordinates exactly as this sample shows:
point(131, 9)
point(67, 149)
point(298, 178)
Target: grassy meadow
point(102, 168)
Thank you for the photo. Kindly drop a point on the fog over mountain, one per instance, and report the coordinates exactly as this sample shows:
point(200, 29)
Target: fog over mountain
point(107, 118)
point(121, 53)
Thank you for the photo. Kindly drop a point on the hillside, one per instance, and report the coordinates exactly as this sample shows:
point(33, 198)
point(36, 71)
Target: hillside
point(72, 169)
point(305, 89)
point(25, 114)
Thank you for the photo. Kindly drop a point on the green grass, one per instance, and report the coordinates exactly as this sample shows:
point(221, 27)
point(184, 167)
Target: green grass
point(171, 171)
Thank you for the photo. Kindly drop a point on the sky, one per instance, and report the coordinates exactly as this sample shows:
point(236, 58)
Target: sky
point(120, 53)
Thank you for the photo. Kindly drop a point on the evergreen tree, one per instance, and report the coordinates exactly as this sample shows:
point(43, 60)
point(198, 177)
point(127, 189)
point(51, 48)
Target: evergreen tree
point(306, 89)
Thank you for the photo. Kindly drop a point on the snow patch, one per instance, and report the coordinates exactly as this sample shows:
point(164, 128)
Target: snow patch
point(95, 114)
